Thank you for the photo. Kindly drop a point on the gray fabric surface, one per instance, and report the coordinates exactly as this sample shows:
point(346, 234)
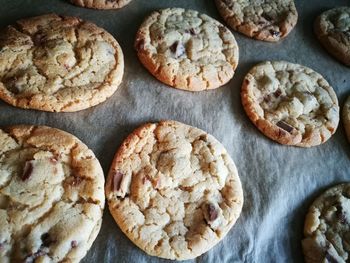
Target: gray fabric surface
point(279, 182)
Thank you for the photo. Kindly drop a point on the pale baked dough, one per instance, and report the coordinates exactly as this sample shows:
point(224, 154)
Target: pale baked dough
point(57, 63)
point(187, 50)
point(290, 103)
point(51, 195)
point(173, 190)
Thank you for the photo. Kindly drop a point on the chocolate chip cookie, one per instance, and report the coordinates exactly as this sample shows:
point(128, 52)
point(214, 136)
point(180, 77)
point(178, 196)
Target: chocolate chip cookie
point(173, 190)
point(187, 50)
point(290, 103)
point(346, 117)
point(327, 227)
point(56, 63)
point(51, 195)
point(332, 28)
point(269, 20)
point(101, 4)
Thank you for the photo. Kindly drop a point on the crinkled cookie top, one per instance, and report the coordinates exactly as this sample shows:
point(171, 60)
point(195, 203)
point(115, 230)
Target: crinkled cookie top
point(56, 63)
point(173, 190)
point(327, 227)
point(268, 20)
point(186, 49)
point(101, 4)
point(51, 195)
point(290, 103)
point(333, 30)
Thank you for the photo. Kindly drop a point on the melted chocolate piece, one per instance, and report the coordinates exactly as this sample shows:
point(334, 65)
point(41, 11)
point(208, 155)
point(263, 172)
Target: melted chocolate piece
point(274, 33)
point(285, 126)
point(277, 93)
point(27, 171)
point(212, 212)
point(178, 49)
point(47, 240)
point(74, 243)
point(117, 180)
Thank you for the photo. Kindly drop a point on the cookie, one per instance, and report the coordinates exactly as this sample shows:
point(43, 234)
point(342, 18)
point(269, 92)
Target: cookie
point(327, 225)
point(173, 190)
point(332, 28)
point(51, 195)
point(187, 50)
point(264, 20)
point(290, 103)
point(57, 63)
point(101, 4)
point(346, 117)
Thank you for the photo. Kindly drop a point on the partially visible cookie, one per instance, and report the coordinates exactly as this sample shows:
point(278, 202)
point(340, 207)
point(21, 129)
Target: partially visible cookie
point(51, 195)
point(173, 190)
point(327, 227)
point(187, 50)
point(290, 103)
point(346, 117)
point(57, 63)
point(332, 28)
point(269, 20)
point(101, 4)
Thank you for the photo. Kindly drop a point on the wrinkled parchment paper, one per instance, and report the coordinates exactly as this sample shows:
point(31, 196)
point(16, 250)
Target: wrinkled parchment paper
point(279, 182)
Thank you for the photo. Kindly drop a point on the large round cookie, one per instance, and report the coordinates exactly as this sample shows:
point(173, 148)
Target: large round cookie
point(269, 20)
point(332, 28)
point(187, 50)
point(56, 63)
point(290, 103)
point(327, 227)
point(173, 190)
point(101, 4)
point(51, 195)
point(346, 117)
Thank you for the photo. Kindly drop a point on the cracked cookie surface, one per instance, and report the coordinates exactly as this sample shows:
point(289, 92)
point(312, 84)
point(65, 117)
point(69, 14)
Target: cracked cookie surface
point(346, 117)
point(290, 103)
point(173, 190)
point(101, 4)
point(56, 63)
point(269, 20)
point(51, 195)
point(332, 28)
point(327, 227)
point(187, 50)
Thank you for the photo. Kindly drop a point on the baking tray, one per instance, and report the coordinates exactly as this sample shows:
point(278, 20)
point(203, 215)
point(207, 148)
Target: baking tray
point(279, 182)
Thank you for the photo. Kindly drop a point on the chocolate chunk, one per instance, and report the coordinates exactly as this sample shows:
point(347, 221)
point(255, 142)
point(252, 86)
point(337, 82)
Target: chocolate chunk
point(74, 243)
point(191, 31)
point(274, 33)
point(277, 93)
point(267, 17)
point(341, 215)
point(47, 240)
point(117, 180)
point(27, 171)
point(11, 84)
point(267, 99)
point(39, 39)
point(285, 126)
point(178, 49)
point(222, 29)
point(212, 212)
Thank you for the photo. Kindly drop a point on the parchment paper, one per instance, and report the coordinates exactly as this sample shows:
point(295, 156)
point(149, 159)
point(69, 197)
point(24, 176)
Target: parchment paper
point(279, 182)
